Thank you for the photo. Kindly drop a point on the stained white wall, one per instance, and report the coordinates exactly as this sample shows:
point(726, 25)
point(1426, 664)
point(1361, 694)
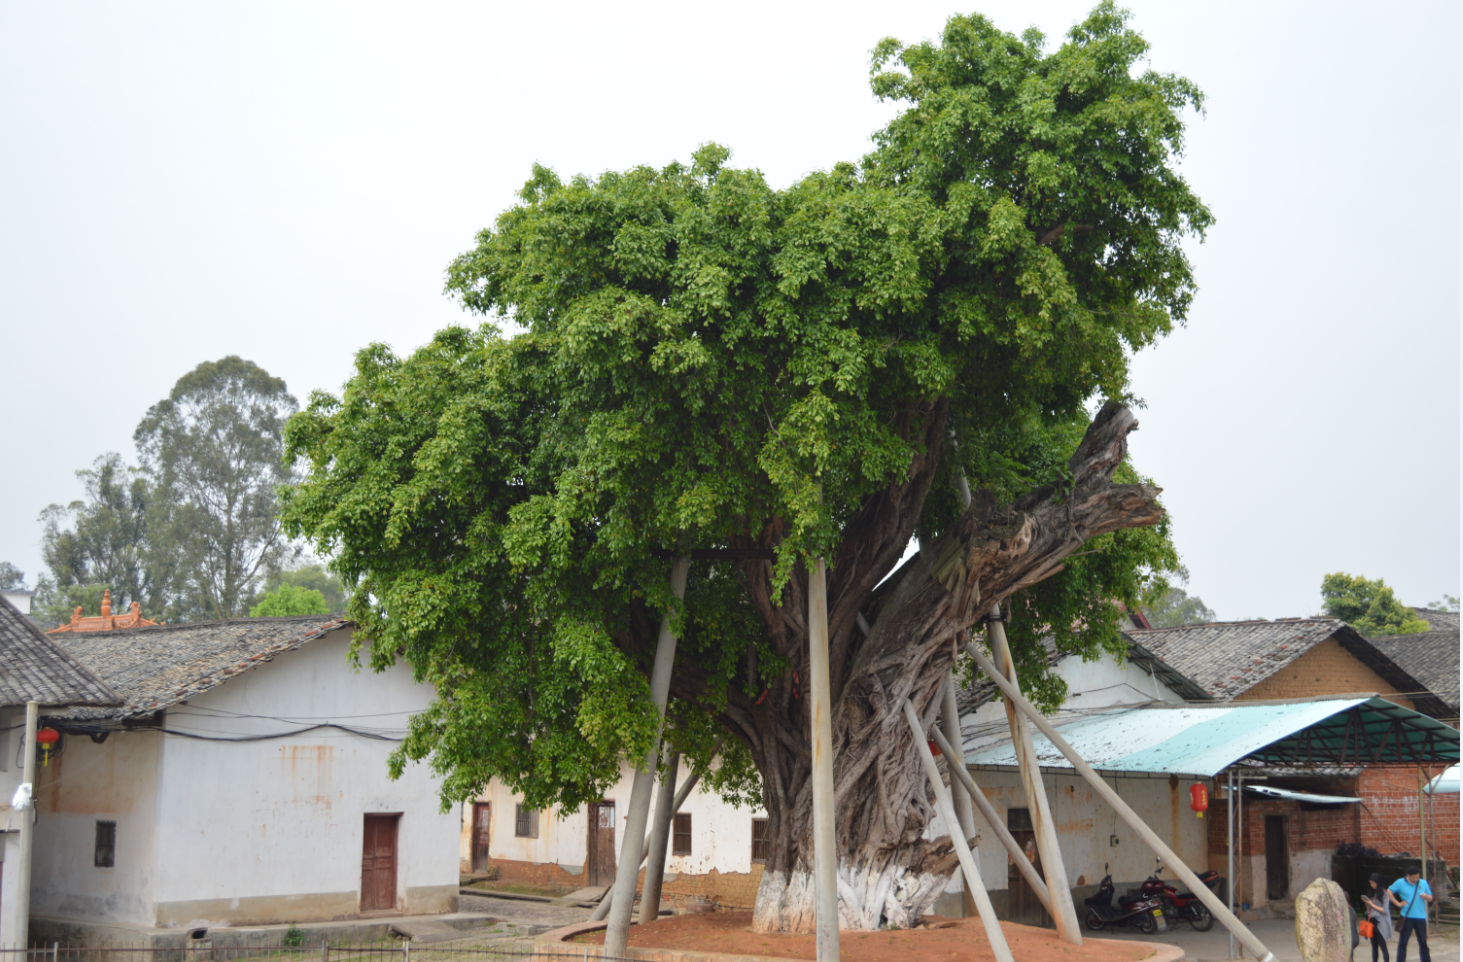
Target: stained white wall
point(85, 783)
point(721, 834)
point(204, 821)
point(285, 816)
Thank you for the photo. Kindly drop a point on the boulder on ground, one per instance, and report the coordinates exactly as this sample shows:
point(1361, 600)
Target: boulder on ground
point(1322, 923)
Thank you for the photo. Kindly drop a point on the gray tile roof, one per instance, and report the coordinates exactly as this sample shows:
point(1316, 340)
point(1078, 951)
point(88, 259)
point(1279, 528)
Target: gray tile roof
point(1229, 658)
point(154, 668)
point(34, 668)
point(1431, 656)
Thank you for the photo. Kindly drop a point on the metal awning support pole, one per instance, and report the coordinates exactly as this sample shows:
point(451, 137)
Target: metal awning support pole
point(1064, 913)
point(1422, 829)
point(993, 819)
point(27, 839)
point(1229, 877)
point(973, 883)
point(682, 793)
point(617, 934)
point(1210, 900)
point(950, 721)
point(825, 839)
point(660, 835)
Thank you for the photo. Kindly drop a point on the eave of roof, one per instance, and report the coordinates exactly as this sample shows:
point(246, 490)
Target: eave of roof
point(35, 668)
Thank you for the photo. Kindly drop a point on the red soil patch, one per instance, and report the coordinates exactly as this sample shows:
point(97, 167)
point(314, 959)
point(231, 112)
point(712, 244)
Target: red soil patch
point(938, 940)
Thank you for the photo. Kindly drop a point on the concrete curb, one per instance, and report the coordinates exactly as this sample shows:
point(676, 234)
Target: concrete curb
point(550, 944)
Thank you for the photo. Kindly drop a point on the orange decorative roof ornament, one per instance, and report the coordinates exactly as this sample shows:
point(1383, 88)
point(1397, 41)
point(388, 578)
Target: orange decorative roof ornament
point(106, 621)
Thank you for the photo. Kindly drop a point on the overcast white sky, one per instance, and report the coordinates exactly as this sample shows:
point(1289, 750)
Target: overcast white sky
point(288, 182)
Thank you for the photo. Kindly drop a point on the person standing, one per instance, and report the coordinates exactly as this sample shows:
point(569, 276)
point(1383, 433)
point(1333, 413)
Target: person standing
point(1412, 895)
point(1379, 913)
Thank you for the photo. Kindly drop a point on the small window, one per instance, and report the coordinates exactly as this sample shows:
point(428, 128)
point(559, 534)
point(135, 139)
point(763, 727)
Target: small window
point(106, 850)
point(761, 840)
point(525, 824)
point(681, 835)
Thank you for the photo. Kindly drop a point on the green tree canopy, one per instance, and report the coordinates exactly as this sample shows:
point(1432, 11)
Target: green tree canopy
point(709, 362)
point(11, 577)
point(1177, 607)
point(311, 576)
point(212, 451)
point(1368, 606)
point(289, 600)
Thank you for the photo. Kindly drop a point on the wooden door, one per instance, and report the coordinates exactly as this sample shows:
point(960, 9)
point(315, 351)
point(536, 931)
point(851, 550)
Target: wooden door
point(600, 868)
point(1025, 907)
point(482, 820)
point(378, 863)
point(1277, 858)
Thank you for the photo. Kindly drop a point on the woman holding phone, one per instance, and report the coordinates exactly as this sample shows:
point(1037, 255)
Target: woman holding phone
point(1379, 914)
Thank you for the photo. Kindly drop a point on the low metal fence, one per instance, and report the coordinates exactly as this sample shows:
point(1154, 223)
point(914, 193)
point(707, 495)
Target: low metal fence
point(403, 951)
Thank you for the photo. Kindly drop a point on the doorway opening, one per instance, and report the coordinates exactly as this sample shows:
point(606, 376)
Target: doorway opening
point(600, 869)
point(482, 820)
point(378, 862)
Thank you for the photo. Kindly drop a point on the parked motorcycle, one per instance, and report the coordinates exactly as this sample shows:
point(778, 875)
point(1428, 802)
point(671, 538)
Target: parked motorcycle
point(1142, 913)
point(1182, 906)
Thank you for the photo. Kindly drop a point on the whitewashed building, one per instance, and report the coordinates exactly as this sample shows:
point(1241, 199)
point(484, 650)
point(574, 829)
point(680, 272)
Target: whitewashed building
point(244, 781)
point(32, 668)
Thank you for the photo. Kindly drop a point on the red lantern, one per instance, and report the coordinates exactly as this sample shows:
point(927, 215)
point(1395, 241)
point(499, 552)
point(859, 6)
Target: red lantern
point(934, 749)
point(46, 739)
point(1199, 798)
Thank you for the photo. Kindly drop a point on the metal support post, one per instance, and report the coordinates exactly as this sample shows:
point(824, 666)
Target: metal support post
point(994, 935)
point(993, 819)
point(27, 830)
point(665, 800)
point(950, 721)
point(682, 793)
point(1065, 912)
point(825, 840)
point(617, 934)
point(1229, 876)
point(1210, 900)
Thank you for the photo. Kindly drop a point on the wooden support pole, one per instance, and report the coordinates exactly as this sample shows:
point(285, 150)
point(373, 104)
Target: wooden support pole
point(1210, 900)
point(993, 819)
point(617, 933)
point(994, 935)
point(682, 793)
point(660, 837)
point(1064, 913)
point(825, 839)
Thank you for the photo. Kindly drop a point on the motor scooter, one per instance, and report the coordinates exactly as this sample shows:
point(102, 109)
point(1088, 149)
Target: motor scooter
point(1142, 913)
point(1182, 906)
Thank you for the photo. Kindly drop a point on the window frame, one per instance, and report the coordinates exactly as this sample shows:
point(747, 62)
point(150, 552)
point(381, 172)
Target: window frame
point(765, 840)
point(104, 848)
point(525, 821)
point(677, 834)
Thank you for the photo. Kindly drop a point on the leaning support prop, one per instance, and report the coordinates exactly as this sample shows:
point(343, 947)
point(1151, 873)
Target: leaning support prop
point(617, 934)
point(682, 793)
point(1210, 900)
point(993, 818)
point(973, 883)
point(1063, 912)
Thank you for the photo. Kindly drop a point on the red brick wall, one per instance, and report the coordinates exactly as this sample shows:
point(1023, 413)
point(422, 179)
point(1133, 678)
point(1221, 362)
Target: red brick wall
point(1386, 819)
point(1389, 819)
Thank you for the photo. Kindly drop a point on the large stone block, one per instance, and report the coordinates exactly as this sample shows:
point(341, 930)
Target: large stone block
point(1323, 923)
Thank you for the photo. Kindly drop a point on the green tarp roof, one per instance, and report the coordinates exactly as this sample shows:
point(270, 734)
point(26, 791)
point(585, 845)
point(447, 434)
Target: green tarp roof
point(1200, 739)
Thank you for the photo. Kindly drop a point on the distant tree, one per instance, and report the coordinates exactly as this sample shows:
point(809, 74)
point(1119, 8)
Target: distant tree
point(1449, 603)
point(11, 577)
point(1368, 606)
point(102, 541)
point(212, 453)
point(1177, 607)
point(289, 600)
point(314, 577)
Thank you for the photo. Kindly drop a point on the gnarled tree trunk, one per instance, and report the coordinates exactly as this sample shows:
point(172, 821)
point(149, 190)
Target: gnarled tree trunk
point(888, 873)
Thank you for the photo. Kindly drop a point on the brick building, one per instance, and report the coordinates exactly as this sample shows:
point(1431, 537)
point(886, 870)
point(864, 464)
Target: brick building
point(1309, 658)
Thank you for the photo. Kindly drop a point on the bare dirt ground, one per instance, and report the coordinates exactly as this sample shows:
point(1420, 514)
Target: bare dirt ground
point(938, 940)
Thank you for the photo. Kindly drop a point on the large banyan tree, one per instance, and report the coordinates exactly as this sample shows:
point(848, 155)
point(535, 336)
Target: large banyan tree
point(703, 361)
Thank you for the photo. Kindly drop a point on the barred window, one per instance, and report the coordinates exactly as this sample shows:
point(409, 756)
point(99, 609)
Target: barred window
point(761, 840)
point(525, 823)
point(105, 855)
point(681, 835)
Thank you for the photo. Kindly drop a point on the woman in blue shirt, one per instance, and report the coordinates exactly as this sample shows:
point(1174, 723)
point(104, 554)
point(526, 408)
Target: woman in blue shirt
point(1412, 895)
